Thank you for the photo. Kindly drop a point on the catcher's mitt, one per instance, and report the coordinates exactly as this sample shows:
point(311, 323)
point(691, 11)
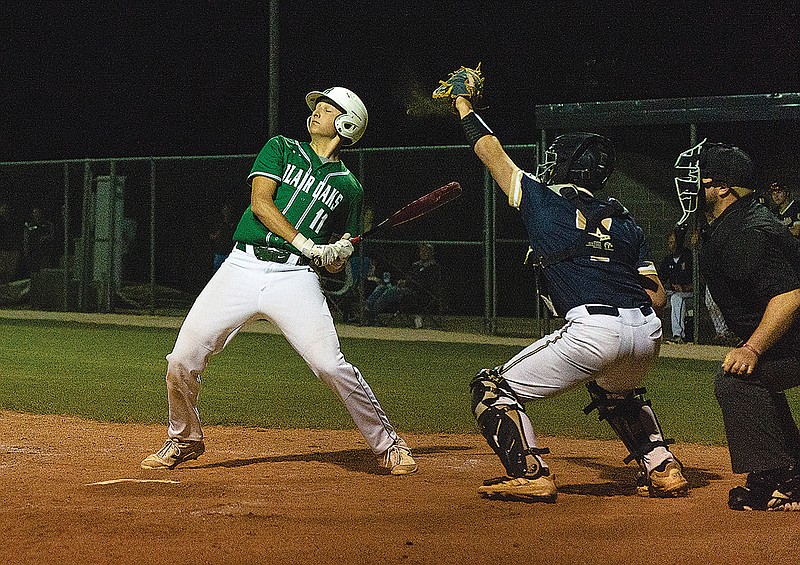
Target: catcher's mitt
point(464, 82)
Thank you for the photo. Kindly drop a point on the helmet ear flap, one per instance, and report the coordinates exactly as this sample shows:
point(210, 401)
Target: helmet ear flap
point(346, 128)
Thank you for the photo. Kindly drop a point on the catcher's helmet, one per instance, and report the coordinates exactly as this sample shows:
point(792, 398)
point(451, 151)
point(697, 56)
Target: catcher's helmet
point(352, 123)
point(724, 164)
point(583, 159)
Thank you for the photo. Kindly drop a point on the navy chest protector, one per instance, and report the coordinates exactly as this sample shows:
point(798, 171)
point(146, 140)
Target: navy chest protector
point(586, 244)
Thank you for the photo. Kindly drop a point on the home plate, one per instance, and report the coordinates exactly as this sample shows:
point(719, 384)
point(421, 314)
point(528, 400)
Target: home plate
point(116, 481)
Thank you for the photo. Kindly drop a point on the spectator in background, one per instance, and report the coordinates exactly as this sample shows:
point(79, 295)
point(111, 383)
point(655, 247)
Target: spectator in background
point(784, 207)
point(383, 298)
point(359, 270)
point(412, 294)
point(423, 285)
point(676, 273)
point(222, 236)
point(37, 242)
point(9, 246)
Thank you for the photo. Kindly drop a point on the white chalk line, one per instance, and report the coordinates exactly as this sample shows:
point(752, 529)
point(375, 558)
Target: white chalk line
point(117, 481)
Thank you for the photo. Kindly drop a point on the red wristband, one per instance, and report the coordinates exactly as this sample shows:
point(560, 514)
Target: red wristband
point(753, 349)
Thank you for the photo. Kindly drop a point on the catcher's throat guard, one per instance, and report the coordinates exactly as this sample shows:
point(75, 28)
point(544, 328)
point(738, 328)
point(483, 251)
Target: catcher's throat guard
point(687, 180)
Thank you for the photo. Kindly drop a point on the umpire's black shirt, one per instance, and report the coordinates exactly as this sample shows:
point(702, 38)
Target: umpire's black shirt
point(747, 259)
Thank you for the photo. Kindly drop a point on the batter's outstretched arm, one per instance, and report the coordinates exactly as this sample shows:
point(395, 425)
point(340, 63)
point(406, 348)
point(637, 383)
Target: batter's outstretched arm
point(262, 203)
point(491, 153)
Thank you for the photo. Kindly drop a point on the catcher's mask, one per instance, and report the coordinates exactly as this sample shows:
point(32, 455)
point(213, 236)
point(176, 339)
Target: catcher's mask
point(725, 164)
point(352, 122)
point(583, 159)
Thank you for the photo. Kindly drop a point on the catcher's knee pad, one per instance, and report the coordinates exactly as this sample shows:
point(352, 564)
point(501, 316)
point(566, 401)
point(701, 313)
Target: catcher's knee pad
point(488, 387)
point(498, 413)
point(631, 418)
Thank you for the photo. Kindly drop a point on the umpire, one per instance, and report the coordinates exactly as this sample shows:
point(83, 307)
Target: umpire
point(751, 264)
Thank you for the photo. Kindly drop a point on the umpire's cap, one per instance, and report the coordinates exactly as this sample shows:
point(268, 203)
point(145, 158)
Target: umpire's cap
point(728, 165)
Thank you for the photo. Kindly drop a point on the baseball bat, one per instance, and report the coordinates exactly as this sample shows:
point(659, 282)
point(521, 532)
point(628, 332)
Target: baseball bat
point(413, 210)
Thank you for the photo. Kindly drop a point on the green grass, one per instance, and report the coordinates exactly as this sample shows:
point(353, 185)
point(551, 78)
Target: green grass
point(116, 373)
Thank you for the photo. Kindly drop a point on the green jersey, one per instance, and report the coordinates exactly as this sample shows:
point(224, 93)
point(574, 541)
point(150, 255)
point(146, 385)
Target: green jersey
point(317, 197)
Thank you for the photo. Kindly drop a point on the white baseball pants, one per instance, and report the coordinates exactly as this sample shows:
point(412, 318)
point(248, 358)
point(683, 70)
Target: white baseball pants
point(246, 288)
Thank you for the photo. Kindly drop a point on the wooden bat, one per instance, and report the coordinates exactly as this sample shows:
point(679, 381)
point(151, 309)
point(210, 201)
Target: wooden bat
point(413, 210)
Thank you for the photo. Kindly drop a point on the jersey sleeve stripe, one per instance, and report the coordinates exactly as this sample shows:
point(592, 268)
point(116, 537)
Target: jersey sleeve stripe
point(276, 178)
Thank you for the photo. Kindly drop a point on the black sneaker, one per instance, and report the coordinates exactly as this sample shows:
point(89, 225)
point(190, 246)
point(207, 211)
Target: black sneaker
point(786, 498)
point(744, 498)
point(769, 490)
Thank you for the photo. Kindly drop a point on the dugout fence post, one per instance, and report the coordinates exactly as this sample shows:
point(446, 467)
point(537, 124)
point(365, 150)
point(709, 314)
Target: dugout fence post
point(152, 274)
point(272, 104)
point(66, 268)
point(489, 271)
point(540, 149)
point(84, 250)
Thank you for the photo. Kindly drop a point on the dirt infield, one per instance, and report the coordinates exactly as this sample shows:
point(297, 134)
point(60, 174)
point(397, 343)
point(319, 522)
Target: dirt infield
point(72, 492)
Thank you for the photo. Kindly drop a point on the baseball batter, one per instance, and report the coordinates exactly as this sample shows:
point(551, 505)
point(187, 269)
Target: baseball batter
point(301, 194)
point(593, 260)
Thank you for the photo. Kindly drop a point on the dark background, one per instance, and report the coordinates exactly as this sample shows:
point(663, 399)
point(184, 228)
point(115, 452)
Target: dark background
point(129, 78)
point(132, 78)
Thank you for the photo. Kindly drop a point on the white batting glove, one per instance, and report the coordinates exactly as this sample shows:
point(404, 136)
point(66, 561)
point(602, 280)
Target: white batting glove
point(344, 248)
point(326, 254)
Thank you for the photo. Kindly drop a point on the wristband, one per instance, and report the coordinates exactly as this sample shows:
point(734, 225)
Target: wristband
point(302, 244)
point(751, 348)
point(475, 128)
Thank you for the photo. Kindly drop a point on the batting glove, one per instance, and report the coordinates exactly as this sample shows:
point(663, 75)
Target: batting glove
point(344, 248)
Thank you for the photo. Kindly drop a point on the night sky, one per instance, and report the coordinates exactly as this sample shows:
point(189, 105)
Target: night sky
point(130, 78)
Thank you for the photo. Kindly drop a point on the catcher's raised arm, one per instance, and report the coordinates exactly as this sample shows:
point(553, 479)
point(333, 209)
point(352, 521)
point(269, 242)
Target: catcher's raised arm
point(463, 90)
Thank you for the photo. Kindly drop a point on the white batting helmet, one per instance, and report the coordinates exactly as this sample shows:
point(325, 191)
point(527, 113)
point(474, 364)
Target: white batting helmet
point(352, 123)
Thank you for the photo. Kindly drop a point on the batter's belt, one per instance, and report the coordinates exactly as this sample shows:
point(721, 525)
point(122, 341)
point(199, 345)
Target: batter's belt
point(272, 254)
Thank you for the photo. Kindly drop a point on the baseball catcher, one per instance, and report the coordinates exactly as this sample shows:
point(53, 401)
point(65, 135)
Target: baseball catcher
point(592, 256)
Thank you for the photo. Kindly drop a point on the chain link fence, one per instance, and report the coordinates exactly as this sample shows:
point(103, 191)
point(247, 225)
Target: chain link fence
point(133, 234)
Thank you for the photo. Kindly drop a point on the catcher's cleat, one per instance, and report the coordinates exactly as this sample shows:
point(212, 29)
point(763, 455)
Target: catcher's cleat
point(665, 481)
point(173, 453)
point(539, 489)
point(398, 460)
